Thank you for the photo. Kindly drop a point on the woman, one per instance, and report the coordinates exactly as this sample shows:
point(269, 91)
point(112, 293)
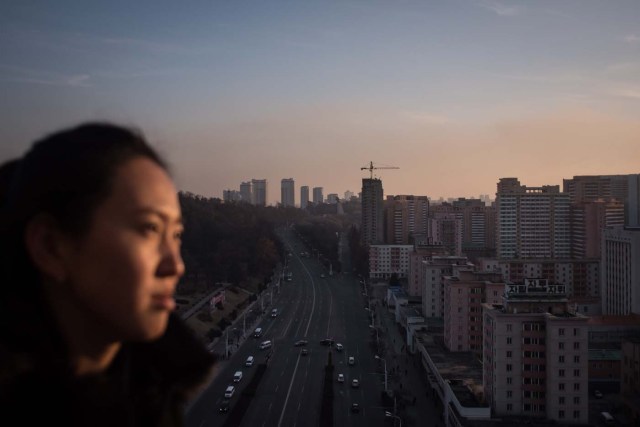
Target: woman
point(90, 235)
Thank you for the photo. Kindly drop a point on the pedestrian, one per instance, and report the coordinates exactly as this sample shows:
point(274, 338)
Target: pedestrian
point(90, 227)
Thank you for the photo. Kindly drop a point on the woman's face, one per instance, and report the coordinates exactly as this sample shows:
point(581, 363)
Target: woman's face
point(123, 272)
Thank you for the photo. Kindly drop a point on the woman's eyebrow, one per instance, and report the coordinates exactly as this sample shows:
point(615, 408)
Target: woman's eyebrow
point(158, 212)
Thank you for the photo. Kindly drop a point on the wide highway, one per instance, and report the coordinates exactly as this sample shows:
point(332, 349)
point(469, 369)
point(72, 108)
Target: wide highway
point(311, 308)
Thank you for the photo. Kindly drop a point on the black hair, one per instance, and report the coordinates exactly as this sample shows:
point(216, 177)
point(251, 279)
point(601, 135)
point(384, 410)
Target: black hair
point(65, 175)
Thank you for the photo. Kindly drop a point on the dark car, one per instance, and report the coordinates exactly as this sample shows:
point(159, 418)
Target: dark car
point(305, 351)
point(224, 406)
point(355, 407)
point(327, 342)
point(300, 343)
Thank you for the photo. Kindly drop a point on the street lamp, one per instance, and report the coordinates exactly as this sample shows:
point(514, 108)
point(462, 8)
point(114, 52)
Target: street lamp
point(375, 329)
point(385, 371)
point(389, 414)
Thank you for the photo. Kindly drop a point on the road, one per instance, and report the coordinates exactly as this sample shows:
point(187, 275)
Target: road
point(310, 308)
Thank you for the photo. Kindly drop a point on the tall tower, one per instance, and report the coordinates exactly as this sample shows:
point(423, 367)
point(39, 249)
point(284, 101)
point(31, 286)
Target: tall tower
point(259, 187)
point(317, 195)
point(372, 211)
point(533, 222)
point(304, 196)
point(287, 192)
point(246, 195)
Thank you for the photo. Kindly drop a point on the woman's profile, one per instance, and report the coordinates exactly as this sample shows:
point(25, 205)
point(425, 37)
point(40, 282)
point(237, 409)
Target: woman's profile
point(90, 234)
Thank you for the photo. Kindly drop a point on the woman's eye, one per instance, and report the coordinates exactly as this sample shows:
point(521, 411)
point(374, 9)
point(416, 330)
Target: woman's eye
point(150, 227)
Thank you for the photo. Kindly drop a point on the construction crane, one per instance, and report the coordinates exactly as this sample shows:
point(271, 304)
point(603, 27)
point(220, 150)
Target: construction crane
point(371, 167)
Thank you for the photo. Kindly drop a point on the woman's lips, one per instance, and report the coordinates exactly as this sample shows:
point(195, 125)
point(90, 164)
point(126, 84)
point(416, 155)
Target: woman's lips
point(163, 302)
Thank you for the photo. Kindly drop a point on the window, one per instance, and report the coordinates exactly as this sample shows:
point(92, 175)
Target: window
point(561, 400)
point(575, 332)
point(509, 407)
point(509, 340)
point(509, 327)
point(561, 359)
point(509, 380)
point(576, 372)
point(576, 400)
point(576, 414)
point(560, 386)
point(576, 387)
point(509, 367)
point(561, 331)
point(561, 346)
point(561, 413)
point(576, 359)
point(509, 394)
point(576, 345)
point(509, 353)
point(561, 373)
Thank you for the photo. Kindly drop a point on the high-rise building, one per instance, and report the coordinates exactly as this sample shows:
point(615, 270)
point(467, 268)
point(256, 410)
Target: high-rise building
point(432, 274)
point(387, 260)
point(630, 386)
point(463, 299)
point(332, 198)
point(624, 188)
point(446, 229)
point(304, 196)
point(532, 222)
point(259, 187)
point(372, 212)
point(620, 271)
point(287, 192)
point(405, 216)
point(246, 195)
point(633, 201)
point(535, 355)
point(588, 219)
point(231, 196)
point(318, 197)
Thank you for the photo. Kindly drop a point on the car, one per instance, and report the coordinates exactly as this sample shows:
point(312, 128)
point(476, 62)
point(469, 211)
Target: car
point(352, 360)
point(339, 347)
point(300, 343)
point(228, 393)
point(249, 361)
point(598, 394)
point(340, 378)
point(327, 342)
point(224, 406)
point(322, 276)
point(305, 352)
point(355, 407)
point(355, 383)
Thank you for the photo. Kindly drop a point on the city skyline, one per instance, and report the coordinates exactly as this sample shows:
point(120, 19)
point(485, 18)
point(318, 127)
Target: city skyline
point(455, 94)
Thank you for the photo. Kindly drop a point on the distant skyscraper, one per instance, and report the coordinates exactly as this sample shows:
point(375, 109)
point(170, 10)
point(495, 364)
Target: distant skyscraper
point(620, 271)
point(633, 200)
point(231, 196)
point(405, 216)
point(304, 196)
point(287, 192)
point(259, 187)
point(332, 198)
point(348, 195)
point(587, 222)
point(372, 211)
point(246, 195)
point(532, 222)
point(317, 195)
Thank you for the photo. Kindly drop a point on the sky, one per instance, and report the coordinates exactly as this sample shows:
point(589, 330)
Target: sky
point(456, 94)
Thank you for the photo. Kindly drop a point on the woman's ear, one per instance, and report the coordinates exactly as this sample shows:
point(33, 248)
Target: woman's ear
point(44, 243)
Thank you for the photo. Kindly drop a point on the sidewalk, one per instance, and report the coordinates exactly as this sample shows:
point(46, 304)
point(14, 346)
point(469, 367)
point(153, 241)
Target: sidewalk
point(406, 376)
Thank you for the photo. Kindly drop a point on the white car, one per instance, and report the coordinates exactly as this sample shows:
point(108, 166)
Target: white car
point(340, 378)
point(339, 347)
point(352, 360)
point(355, 383)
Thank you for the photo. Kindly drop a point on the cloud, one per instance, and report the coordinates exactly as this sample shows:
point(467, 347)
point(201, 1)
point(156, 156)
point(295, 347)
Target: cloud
point(500, 8)
point(631, 38)
point(10, 73)
point(628, 92)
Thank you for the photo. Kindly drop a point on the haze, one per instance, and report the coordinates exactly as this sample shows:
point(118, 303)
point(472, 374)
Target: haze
point(455, 93)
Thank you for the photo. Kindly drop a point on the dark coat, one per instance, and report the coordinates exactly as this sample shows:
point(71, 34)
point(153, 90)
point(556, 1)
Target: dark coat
point(147, 385)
